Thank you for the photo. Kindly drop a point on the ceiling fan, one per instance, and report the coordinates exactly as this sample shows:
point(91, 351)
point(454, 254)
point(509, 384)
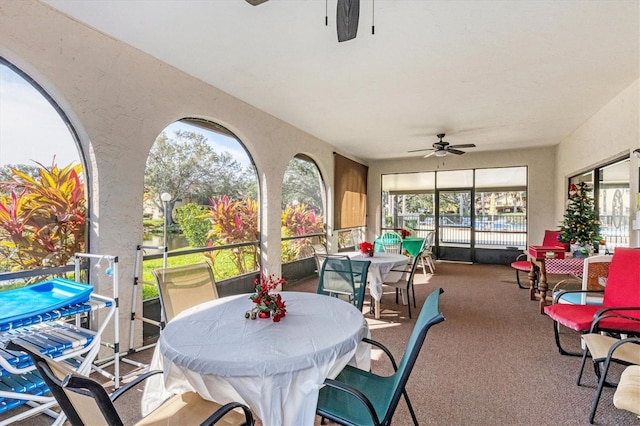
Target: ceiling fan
point(442, 148)
point(347, 16)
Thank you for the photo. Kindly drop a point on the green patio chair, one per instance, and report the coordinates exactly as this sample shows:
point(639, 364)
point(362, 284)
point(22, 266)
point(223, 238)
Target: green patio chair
point(340, 277)
point(358, 397)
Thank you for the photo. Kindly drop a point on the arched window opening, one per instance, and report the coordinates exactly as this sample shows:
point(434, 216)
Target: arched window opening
point(201, 192)
point(303, 209)
point(43, 200)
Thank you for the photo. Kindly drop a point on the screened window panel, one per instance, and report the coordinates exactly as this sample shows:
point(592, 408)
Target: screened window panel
point(503, 177)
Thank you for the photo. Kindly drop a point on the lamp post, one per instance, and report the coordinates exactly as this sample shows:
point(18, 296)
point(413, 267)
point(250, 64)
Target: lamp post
point(165, 197)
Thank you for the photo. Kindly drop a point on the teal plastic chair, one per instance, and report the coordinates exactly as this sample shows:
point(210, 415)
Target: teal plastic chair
point(358, 397)
point(391, 242)
point(340, 277)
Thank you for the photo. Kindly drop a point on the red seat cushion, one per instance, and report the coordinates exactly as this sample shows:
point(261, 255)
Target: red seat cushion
point(576, 317)
point(521, 265)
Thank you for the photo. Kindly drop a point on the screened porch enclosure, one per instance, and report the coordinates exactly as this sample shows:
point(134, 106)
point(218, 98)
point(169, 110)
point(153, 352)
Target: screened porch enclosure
point(478, 215)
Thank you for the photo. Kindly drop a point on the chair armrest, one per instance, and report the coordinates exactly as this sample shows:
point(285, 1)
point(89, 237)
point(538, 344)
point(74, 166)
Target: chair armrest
point(521, 256)
point(222, 411)
point(620, 343)
point(563, 292)
point(355, 393)
point(116, 394)
point(384, 349)
point(604, 314)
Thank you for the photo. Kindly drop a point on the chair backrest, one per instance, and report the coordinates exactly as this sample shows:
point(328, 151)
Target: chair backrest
point(429, 316)
point(551, 239)
point(91, 407)
point(428, 242)
point(182, 287)
point(337, 278)
point(360, 271)
point(594, 274)
point(623, 282)
point(391, 242)
point(319, 253)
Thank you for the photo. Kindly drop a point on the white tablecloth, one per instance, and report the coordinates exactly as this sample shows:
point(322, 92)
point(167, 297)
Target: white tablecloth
point(381, 264)
point(276, 368)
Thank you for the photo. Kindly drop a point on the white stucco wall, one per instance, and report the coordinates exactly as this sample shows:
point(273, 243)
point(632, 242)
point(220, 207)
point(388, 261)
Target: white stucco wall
point(119, 99)
point(541, 178)
point(611, 133)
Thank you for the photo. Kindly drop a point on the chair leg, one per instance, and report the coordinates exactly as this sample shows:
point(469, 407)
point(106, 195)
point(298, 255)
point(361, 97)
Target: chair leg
point(413, 414)
point(584, 361)
point(518, 280)
point(601, 383)
point(413, 290)
point(432, 265)
point(556, 335)
point(409, 302)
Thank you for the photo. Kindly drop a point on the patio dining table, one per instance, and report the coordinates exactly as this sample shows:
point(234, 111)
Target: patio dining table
point(412, 245)
point(380, 270)
point(276, 368)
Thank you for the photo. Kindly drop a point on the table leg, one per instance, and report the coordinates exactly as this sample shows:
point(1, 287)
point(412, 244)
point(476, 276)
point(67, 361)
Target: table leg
point(377, 309)
point(543, 287)
point(532, 281)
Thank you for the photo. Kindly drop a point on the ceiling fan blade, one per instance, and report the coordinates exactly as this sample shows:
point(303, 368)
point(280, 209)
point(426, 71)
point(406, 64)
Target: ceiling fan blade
point(455, 151)
point(347, 17)
point(429, 154)
point(464, 145)
point(255, 2)
point(423, 149)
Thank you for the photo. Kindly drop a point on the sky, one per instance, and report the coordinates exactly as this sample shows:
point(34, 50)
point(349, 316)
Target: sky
point(31, 129)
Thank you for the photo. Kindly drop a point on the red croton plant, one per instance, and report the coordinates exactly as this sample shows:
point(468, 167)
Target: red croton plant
point(42, 218)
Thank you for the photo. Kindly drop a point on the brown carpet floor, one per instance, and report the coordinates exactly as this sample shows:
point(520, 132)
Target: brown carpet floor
point(493, 361)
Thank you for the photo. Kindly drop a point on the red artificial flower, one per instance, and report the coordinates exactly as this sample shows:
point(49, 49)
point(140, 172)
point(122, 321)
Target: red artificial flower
point(366, 247)
point(405, 233)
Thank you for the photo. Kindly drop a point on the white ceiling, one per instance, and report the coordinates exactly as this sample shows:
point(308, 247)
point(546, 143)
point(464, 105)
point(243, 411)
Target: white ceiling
point(499, 74)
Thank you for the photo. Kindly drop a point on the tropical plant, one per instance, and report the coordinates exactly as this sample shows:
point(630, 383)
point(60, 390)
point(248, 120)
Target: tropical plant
point(194, 224)
point(42, 218)
point(232, 222)
point(298, 220)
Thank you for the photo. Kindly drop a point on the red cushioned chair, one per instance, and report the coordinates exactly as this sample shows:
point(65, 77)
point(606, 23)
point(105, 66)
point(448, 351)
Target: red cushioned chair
point(522, 264)
point(620, 310)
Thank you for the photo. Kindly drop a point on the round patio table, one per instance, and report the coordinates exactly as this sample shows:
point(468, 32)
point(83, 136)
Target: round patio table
point(276, 368)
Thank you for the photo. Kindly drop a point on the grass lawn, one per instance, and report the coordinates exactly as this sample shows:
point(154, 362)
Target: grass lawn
point(225, 267)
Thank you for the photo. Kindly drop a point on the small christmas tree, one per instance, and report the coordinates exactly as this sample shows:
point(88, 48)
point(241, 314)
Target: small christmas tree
point(580, 224)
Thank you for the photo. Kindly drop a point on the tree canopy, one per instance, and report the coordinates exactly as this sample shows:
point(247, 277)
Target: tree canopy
point(187, 166)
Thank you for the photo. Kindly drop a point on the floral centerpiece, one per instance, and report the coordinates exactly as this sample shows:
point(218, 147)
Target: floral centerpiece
point(404, 233)
point(366, 248)
point(267, 304)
